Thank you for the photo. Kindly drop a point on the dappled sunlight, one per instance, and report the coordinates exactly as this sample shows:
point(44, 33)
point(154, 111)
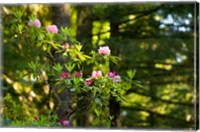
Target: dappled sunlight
point(17, 87)
point(163, 66)
point(46, 89)
point(100, 32)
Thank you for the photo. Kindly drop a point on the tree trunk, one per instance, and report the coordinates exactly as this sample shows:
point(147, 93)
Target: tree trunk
point(114, 111)
point(61, 18)
point(84, 27)
point(152, 116)
point(84, 35)
point(114, 106)
point(61, 15)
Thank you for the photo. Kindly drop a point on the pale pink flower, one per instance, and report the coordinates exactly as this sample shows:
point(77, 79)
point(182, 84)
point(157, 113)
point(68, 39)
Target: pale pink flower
point(65, 122)
point(52, 29)
point(104, 50)
point(65, 75)
point(117, 78)
point(66, 45)
point(35, 23)
point(96, 74)
point(78, 74)
point(114, 76)
point(89, 82)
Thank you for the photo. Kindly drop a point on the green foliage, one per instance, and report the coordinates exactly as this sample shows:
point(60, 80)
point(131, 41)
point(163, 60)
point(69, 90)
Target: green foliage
point(47, 120)
point(101, 87)
point(12, 110)
point(131, 74)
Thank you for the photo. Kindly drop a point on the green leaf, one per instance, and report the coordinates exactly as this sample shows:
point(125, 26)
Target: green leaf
point(57, 67)
point(114, 59)
point(72, 89)
point(32, 65)
point(76, 81)
point(39, 44)
point(137, 84)
point(90, 88)
point(44, 47)
point(48, 112)
point(95, 121)
point(20, 27)
point(55, 45)
point(131, 73)
point(65, 31)
point(60, 89)
point(69, 67)
point(67, 82)
point(97, 89)
point(96, 112)
point(78, 47)
point(57, 83)
point(18, 14)
point(111, 117)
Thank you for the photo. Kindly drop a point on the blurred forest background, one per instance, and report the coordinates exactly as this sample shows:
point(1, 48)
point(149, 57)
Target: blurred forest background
point(155, 39)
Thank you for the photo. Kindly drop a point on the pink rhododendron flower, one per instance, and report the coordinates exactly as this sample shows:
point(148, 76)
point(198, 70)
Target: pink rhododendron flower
point(35, 23)
point(104, 50)
point(52, 29)
point(66, 45)
point(65, 122)
point(111, 74)
point(89, 82)
point(117, 78)
point(78, 74)
point(65, 75)
point(96, 74)
point(114, 77)
point(35, 118)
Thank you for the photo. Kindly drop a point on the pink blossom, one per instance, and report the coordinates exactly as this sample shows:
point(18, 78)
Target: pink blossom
point(104, 50)
point(66, 45)
point(65, 122)
point(35, 23)
point(35, 118)
point(117, 78)
point(114, 76)
point(65, 75)
point(89, 82)
point(111, 74)
point(78, 74)
point(52, 29)
point(96, 74)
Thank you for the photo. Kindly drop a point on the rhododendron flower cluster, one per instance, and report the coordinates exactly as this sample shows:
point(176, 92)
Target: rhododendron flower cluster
point(65, 75)
point(104, 50)
point(96, 74)
point(78, 74)
point(89, 82)
point(117, 78)
point(66, 45)
point(35, 23)
point(35, 118)
point(65, 122)
point(52, 29)
point(114, 76)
